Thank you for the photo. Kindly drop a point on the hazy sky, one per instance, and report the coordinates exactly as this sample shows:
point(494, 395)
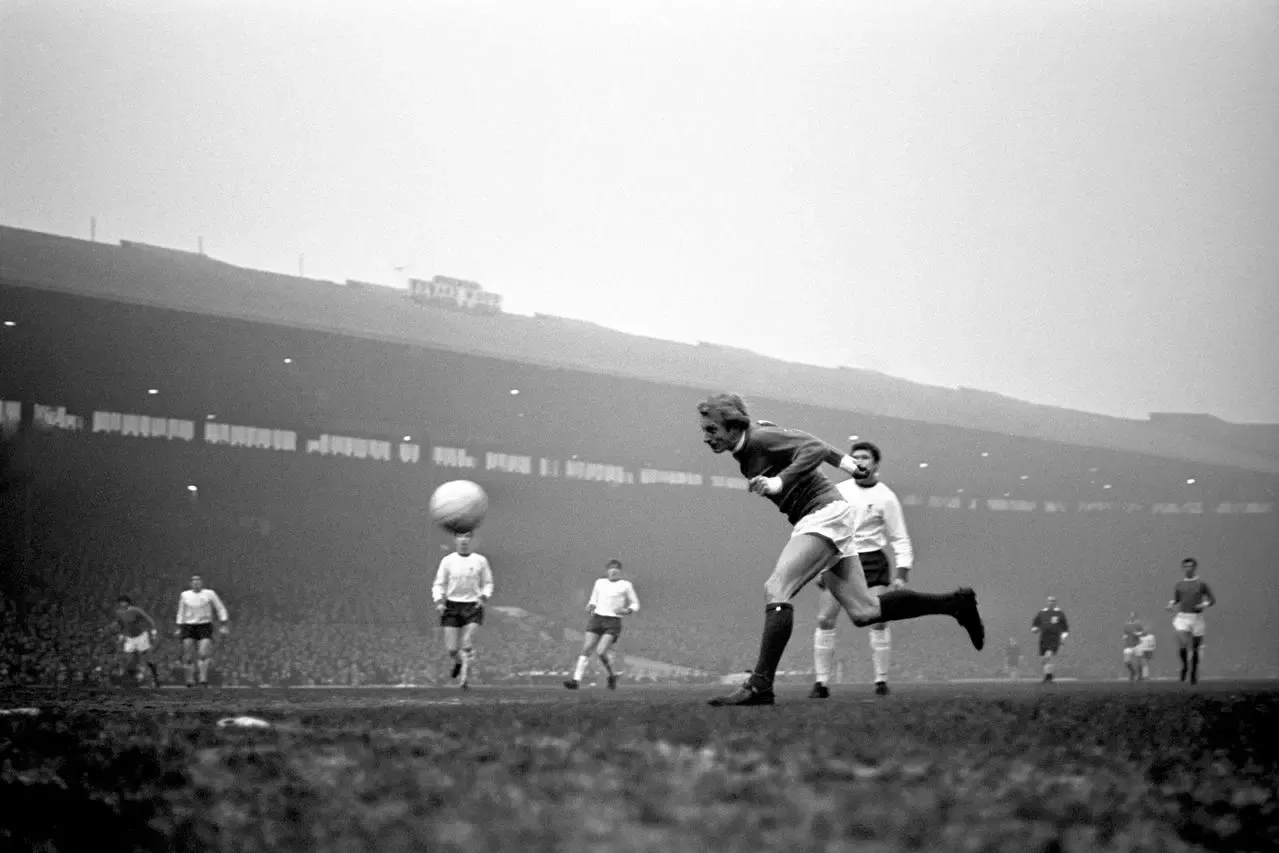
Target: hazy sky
point(1073, 203)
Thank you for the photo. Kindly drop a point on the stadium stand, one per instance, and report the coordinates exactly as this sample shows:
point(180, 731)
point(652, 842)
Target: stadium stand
point(298, 427)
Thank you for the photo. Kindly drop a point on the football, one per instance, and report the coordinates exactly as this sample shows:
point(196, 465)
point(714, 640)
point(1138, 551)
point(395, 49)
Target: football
point(458, 506)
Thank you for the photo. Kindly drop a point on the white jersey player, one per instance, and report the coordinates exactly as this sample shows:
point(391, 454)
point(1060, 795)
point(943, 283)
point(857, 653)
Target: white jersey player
point(197, 608)
point(611, 599)
point(878, 524)
point(463, 582)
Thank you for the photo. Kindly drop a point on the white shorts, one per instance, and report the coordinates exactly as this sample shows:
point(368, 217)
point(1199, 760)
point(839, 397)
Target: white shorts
point(833, 522)
point(1147, 644)
point(1192, 623)
point(140, 643)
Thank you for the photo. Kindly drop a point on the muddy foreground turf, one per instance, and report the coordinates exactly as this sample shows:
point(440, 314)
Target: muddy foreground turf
point(999, 767)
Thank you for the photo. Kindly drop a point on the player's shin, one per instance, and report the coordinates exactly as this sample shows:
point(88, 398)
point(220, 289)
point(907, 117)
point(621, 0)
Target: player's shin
point(779, 621)
point(898, 604)
point(823, 653)
point(881, 644)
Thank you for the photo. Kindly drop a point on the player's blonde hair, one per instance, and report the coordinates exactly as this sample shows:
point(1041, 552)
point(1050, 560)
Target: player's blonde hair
point(728, 409)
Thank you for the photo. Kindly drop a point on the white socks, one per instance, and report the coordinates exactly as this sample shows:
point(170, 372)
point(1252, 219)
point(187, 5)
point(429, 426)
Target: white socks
point(578, 671)
point(881, 644)
point(823, 653)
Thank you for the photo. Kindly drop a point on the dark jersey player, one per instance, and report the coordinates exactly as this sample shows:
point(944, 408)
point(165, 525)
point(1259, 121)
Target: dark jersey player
point(1051, 626)
point(1190, 598)
point(783, 466)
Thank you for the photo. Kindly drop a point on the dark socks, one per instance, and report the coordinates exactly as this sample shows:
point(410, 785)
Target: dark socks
point(898, 604)
point(779, 619)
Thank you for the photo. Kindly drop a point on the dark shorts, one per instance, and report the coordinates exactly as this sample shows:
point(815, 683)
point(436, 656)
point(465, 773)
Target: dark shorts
point(605, 625)
point(875, 567)
point(458, 614)
point(1049, 644)
point(202, 631)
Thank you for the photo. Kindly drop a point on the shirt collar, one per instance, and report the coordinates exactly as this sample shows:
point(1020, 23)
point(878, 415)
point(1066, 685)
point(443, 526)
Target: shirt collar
point(741, 442)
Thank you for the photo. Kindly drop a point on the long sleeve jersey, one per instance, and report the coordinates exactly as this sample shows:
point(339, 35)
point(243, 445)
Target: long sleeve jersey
point(1190, 595)
point(134, 621)
point(795, 457)
point(464, 579)
point(197, 608)
point(879, 521)
point(1050, 622)
point(608, 598)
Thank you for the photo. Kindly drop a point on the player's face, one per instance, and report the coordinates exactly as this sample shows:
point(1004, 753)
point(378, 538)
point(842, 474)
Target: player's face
point(717, 436)
point(463, 543)
point(1052, 602)
point(1189, 569)
point(120, 607)
point(197, 583)
point(867, 467)
point(614, 573)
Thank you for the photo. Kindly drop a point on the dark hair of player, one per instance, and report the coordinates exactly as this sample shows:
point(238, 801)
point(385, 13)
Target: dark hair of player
point(869, 446)
point(124, 599)
point(729, 409)
point(613, 564)
point(1190, 561)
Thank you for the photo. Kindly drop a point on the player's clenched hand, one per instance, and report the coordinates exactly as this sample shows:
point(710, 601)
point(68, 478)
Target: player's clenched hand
point(765, 485)
point(223, 630)
point(439, 605)
point(898, 583)
point(625, 611)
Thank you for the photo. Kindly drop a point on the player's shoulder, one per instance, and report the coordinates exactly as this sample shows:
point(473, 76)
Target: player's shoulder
point(767, 432)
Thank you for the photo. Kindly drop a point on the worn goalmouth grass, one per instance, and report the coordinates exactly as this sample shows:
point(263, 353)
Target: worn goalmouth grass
point(1017, 767)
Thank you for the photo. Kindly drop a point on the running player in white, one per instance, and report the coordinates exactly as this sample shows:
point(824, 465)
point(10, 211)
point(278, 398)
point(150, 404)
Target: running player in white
point(611, 599)
point(1147, 651)
point(1190, 598)
point(463, 583)
point(878, 523)
point(1133, 632)
point(137, 636)
point(196, 609)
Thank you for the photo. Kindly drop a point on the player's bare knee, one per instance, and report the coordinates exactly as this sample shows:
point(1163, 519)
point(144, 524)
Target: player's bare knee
point(827, 623)
point(775, 590)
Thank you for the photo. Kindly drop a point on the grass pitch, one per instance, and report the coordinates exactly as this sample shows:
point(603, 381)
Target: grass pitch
point(999, 767)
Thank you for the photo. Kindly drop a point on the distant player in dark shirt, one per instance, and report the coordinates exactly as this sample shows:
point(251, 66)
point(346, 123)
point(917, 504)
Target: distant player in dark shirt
point(137, 637)
point(1190, 598)
point(783, 465)
point(1051, 626)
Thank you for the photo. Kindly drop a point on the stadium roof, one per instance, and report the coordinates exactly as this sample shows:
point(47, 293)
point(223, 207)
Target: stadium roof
point(186, 281)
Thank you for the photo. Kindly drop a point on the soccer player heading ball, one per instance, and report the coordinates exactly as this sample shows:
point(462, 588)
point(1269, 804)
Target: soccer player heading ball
point(783, 466)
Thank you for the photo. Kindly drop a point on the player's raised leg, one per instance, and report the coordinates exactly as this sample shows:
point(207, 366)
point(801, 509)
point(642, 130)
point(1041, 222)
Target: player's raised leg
point(847, 583)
